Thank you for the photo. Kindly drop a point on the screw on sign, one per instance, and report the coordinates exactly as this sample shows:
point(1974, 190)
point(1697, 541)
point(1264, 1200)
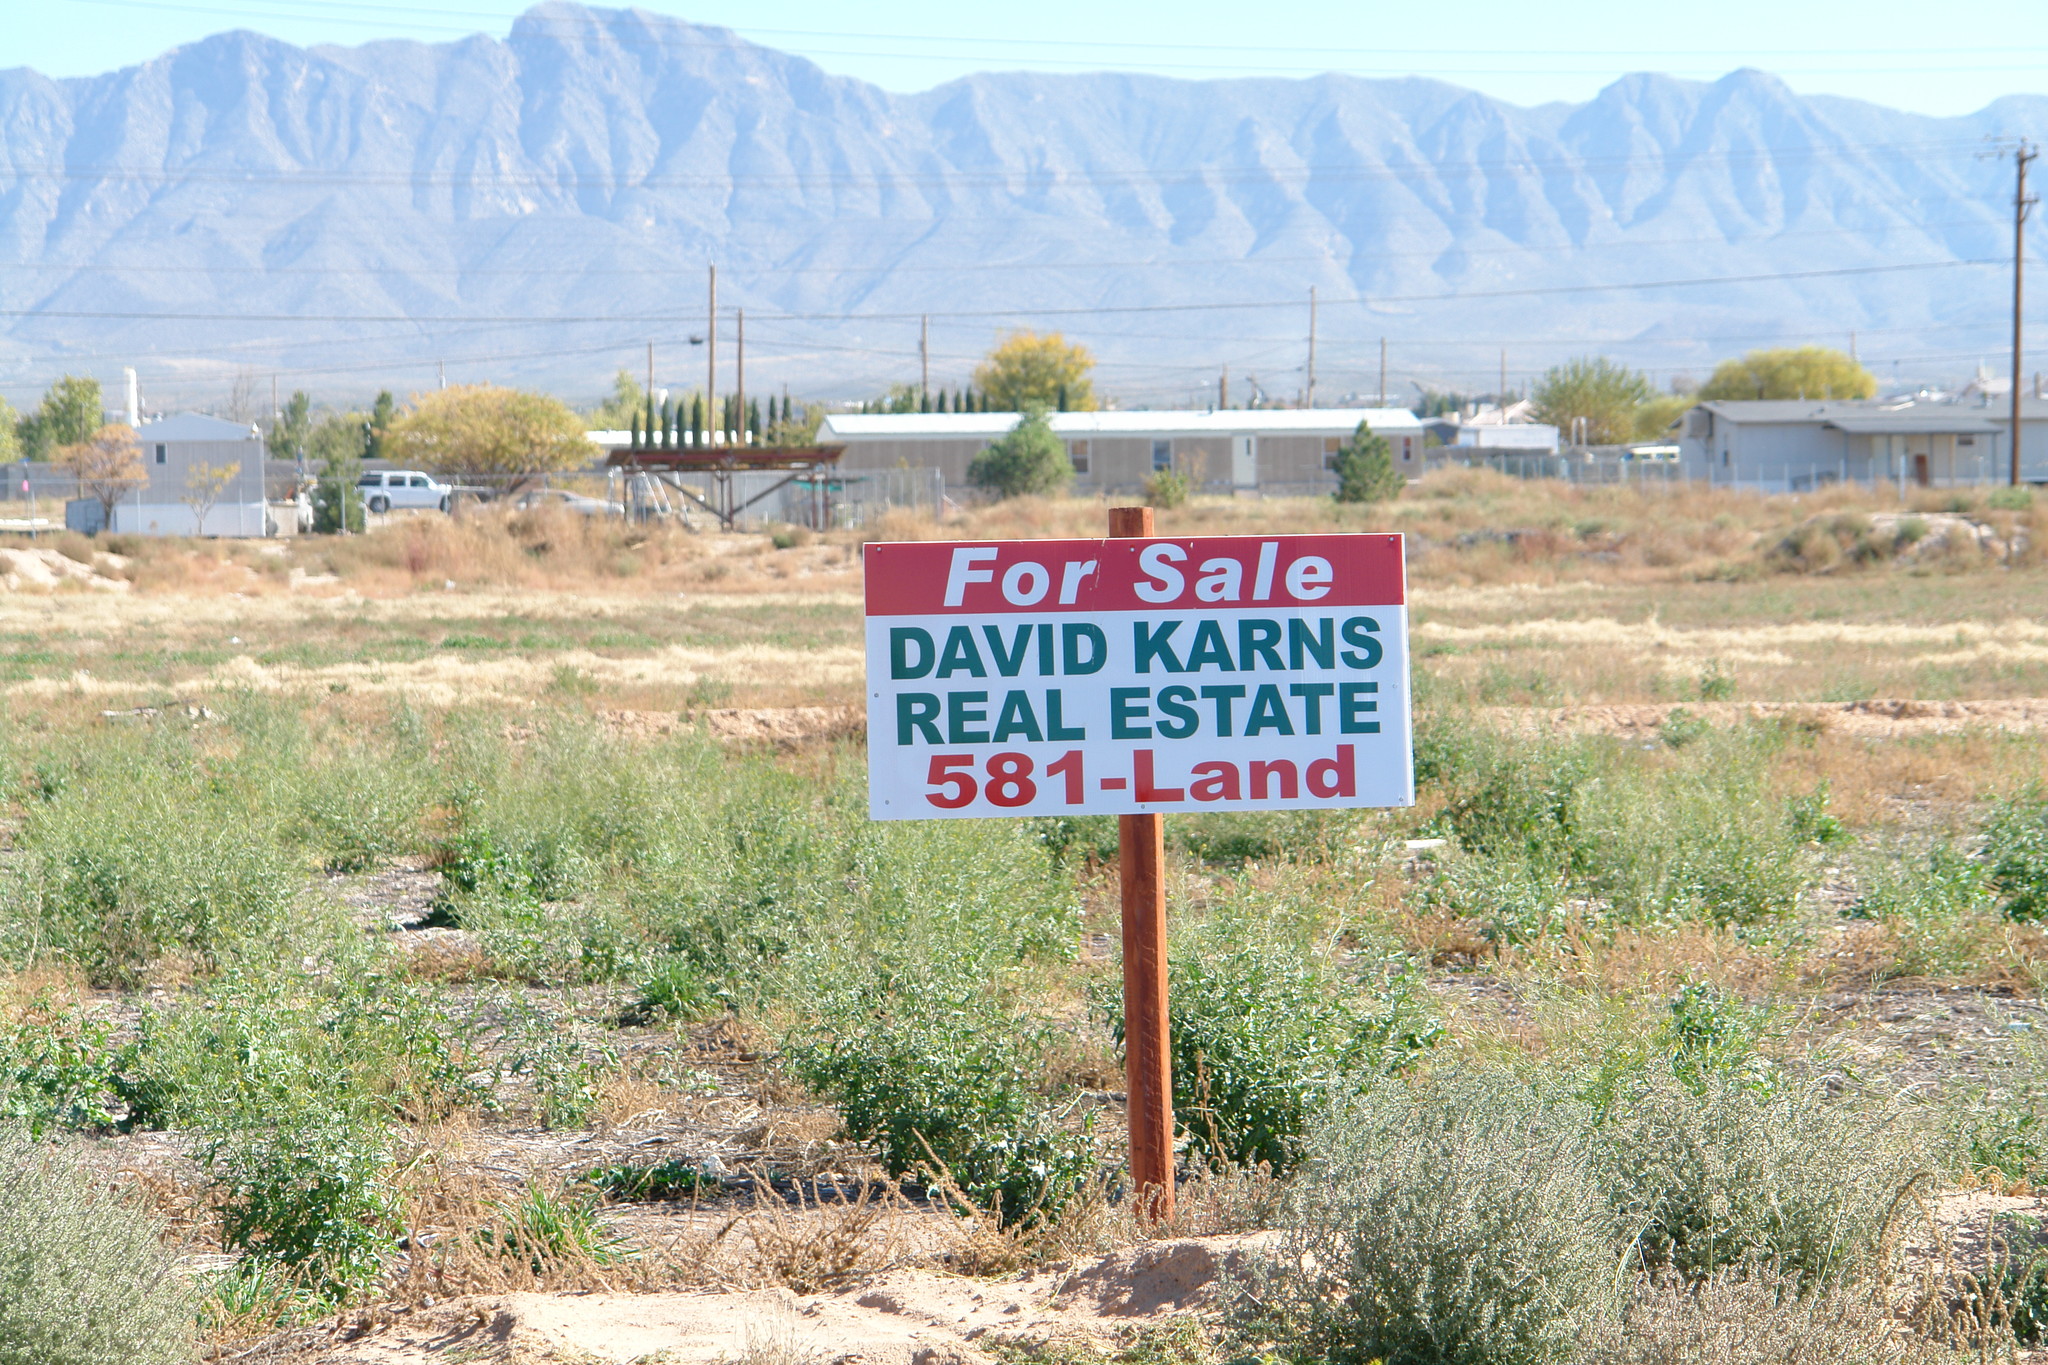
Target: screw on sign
point(1133, 676)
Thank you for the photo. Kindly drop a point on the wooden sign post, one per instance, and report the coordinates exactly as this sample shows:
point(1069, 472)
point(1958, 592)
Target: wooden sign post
point(1148, 1056)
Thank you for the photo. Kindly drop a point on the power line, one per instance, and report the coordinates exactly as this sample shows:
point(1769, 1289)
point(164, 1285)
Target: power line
point(1037, 179)
point(1097, 310)
point(1362, 254)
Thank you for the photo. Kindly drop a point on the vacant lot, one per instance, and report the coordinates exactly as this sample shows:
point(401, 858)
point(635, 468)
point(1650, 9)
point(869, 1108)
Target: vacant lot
point(421, 925)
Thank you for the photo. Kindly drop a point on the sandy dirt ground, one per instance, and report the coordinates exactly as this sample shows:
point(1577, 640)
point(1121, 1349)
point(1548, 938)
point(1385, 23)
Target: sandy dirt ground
point(901, 1317)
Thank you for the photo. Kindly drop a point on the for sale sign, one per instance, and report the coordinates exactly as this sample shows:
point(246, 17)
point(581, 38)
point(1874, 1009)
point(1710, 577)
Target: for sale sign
point(1118, 676)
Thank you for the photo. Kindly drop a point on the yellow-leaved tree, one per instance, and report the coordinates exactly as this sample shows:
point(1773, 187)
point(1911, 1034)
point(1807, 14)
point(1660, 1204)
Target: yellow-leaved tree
point(1791, 372)
point(482, 431)
point(1036, 370)
point(106, 466)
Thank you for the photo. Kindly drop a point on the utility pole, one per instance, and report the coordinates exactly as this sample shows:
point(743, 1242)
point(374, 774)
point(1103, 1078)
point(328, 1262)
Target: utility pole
point(1311, 347)
point(650, 371)
point(740, 369)
point(1383, 372)
point(711, 422)
point(1852, 346)
point(924, 359)
point(1223, 389)
point(442, 367)
point(2022, 154)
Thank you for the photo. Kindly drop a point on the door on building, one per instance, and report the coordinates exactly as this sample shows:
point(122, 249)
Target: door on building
point(1920, 468)
point(1244, 461)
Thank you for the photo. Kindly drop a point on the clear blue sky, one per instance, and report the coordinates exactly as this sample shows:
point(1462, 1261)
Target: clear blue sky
point(1909, 56)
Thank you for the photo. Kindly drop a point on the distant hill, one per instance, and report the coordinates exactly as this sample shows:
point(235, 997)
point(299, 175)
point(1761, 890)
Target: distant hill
point(551, 200)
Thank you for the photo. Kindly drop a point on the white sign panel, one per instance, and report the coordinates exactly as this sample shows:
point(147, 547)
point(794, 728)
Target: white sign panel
point(1119, 676)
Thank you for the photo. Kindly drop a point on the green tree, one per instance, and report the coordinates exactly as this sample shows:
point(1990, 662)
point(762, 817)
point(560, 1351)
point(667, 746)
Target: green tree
point(70, 415)
point(1598, 391)
point(287, 439)
point(1030, 459)
point(1655, 416)
point(339, 443)
point(1791, 372)
point(618, 411)
point(1027, 370)
point(383, 413)
point(10, 433)
point(483, 431)
point(1365, 468)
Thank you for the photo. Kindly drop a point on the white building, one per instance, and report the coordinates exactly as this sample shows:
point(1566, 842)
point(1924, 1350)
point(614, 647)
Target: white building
point(1796, 444)
point(1276, 450)
point(171, 448)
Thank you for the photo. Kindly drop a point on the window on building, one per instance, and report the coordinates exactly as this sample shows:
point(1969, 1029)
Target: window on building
point(1078, 453)
point(1331, 445)
point(159, 453)
point(1966, 440)
point(1162, 455)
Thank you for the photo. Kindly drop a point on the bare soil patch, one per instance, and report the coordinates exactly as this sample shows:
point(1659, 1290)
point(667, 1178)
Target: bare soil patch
point(905, 1317)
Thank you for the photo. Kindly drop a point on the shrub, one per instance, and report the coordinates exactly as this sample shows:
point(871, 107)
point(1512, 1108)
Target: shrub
point(309, 1194)
point(139, 859)
point(1030, 459)
point(943, 1082)
point(1168, 488)
point(84, 1278)
point(251, 1048)
point(57, 1069)
point(1455, 1222)
point(1756, 1319)
point(1264, 1038)
point(1718, 1177)
point(2016, 848)
point(1705, 840)
point(1365, 469)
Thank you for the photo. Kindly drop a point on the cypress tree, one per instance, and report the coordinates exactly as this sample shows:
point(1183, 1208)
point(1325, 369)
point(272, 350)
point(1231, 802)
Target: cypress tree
point(668, 425)
point(636, 431)
point(753, 420)
point(1063, 398)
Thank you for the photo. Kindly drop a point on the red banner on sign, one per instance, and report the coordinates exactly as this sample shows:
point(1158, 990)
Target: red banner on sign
point(1213, 573)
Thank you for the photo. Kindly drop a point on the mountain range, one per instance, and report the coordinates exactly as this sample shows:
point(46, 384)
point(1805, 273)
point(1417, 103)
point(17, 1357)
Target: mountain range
point(539, 208)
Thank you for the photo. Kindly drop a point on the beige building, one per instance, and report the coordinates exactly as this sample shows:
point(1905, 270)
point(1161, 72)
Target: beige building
point(1275, 451)
point(175, 452)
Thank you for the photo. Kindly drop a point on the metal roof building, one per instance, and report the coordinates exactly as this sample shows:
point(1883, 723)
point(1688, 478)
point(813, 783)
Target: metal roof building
point(1276, 450)
point(1796, 444)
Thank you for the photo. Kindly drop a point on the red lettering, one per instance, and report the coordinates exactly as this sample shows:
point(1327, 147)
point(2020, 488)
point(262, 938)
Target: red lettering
point(1289, 775)
point(1216, 782)
point(1146, 791)
point(1335, 776)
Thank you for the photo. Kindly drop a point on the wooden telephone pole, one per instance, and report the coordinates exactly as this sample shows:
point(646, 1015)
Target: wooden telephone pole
point(1148, 1058)
point(711, 363)
point(2022, 154)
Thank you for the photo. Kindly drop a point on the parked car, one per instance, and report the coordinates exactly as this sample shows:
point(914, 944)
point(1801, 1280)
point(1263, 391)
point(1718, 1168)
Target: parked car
point(564, 499)
point(384, 489)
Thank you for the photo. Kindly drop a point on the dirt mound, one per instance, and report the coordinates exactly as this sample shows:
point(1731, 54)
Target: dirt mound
point(42, 569)
point(786, 724)
point(1881, 719)
point(906, 1317)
